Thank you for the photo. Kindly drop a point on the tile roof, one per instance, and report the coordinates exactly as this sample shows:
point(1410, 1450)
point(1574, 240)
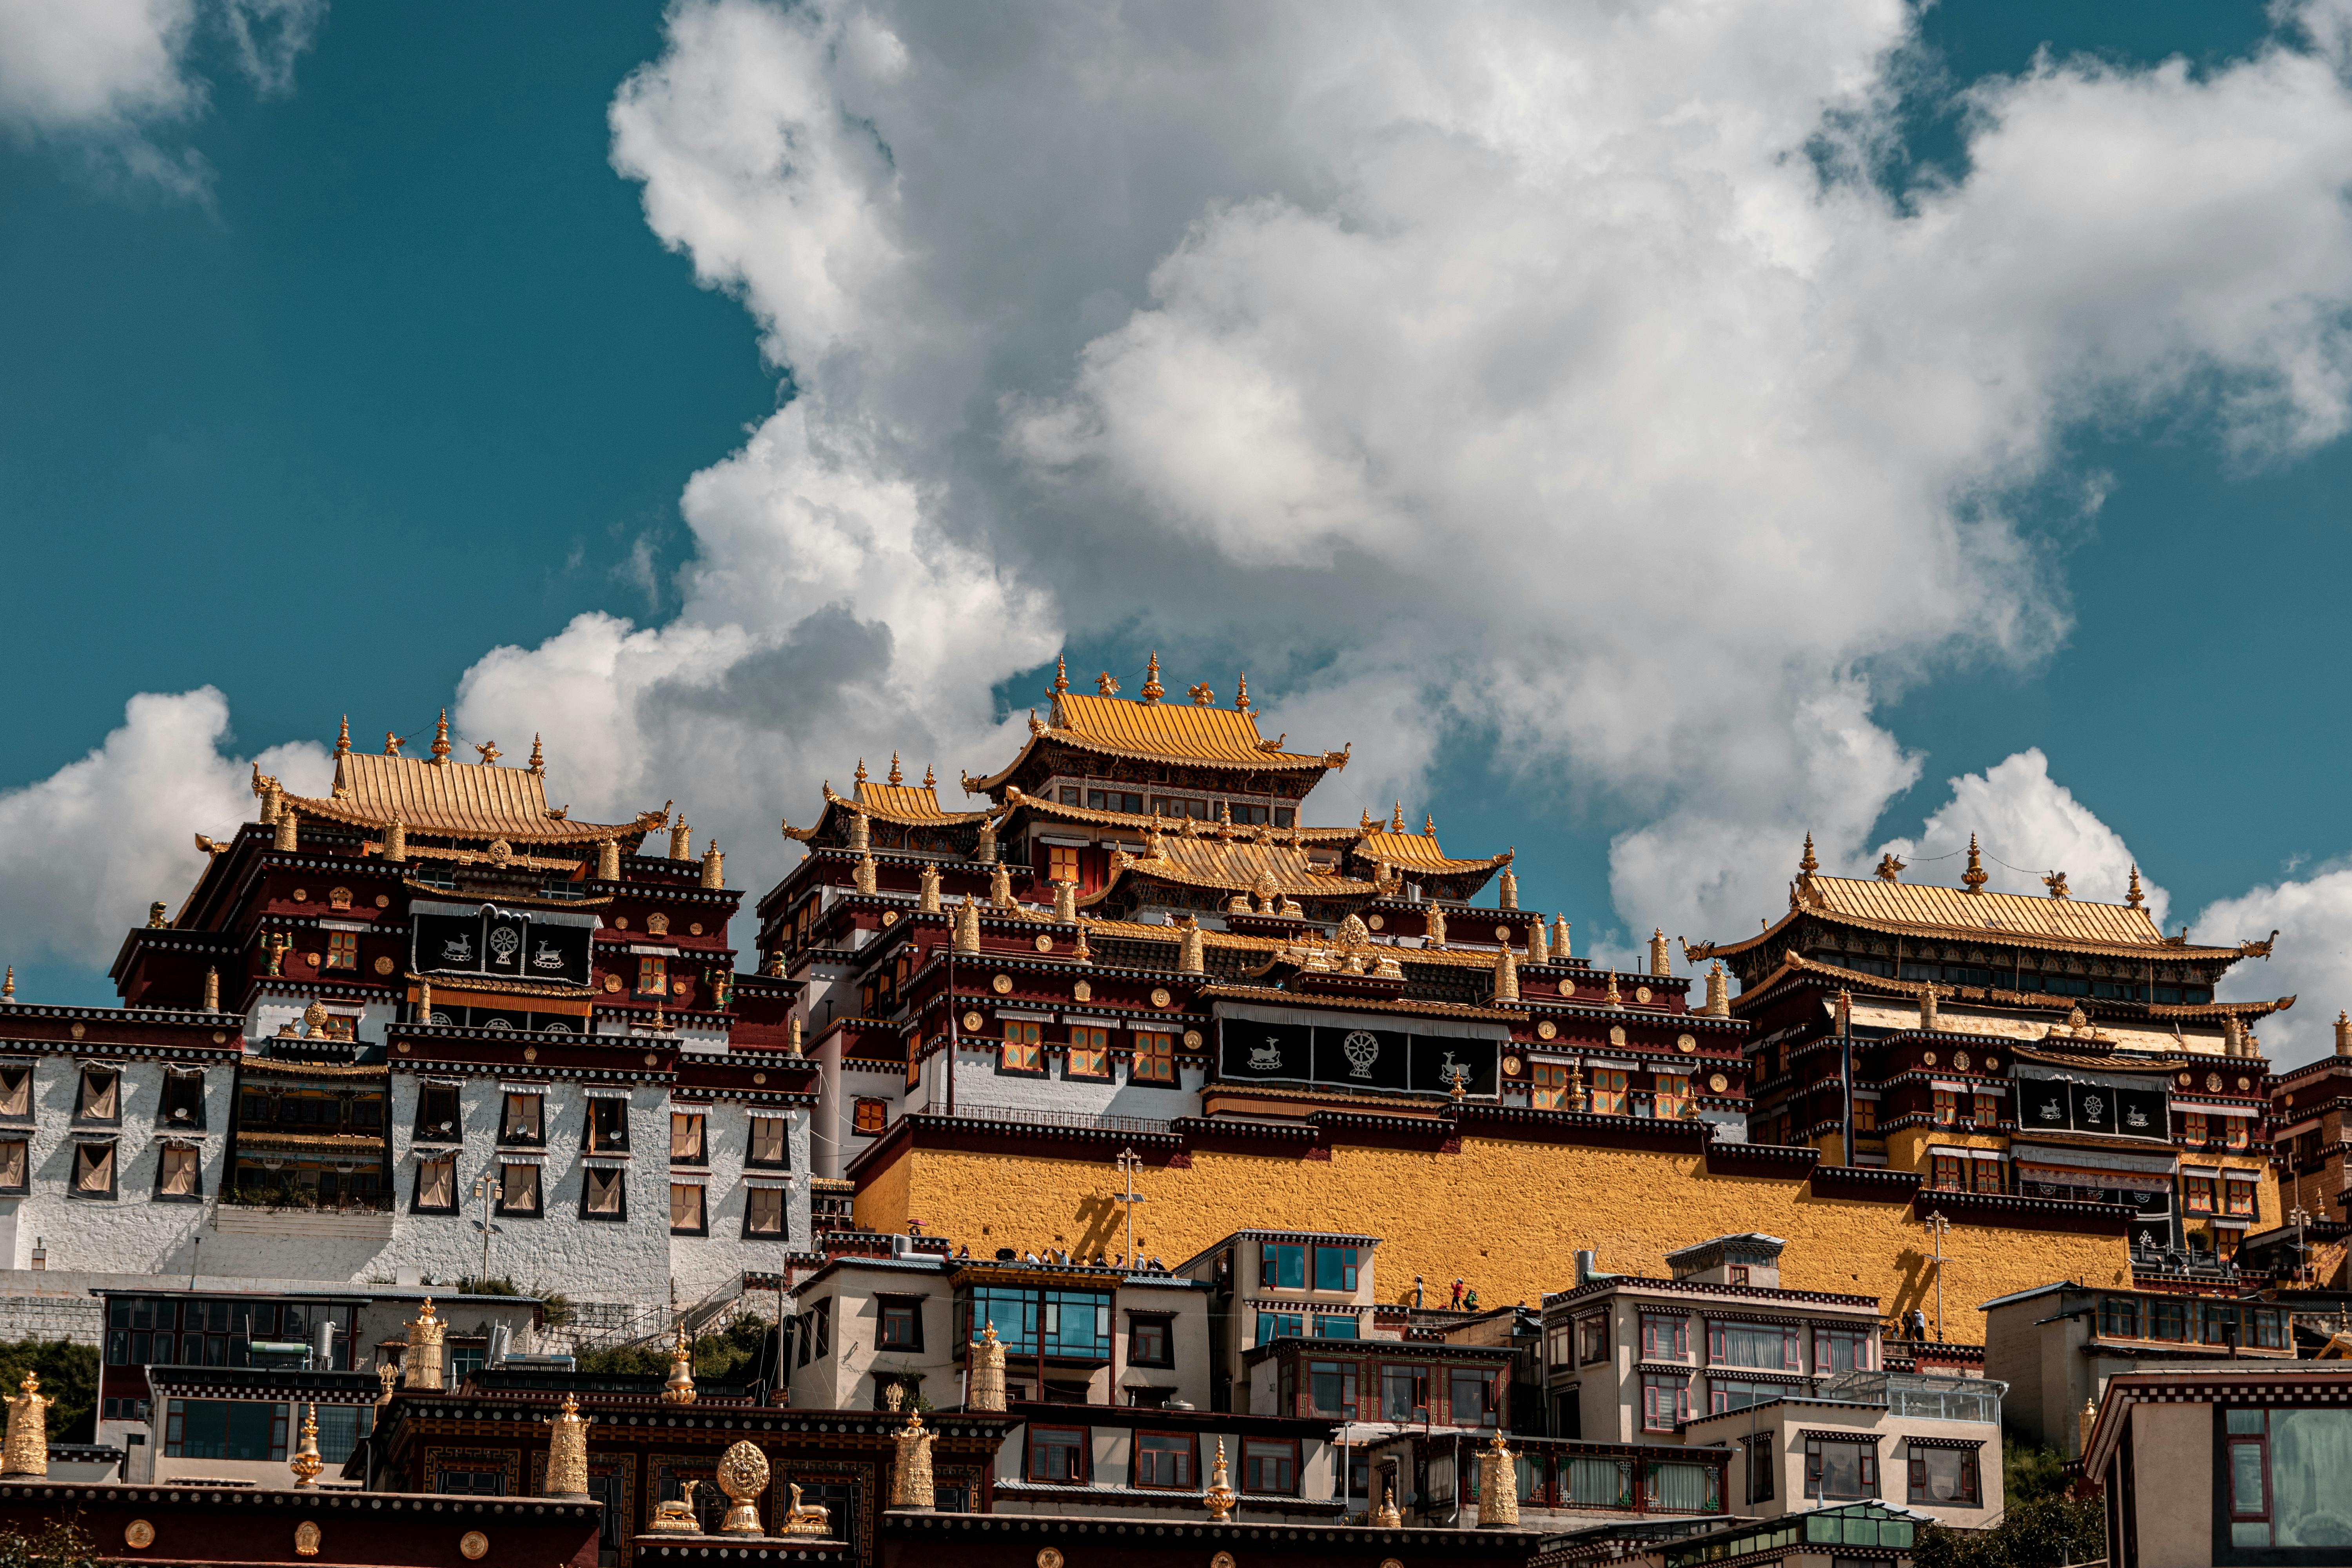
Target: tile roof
point(1014, 796)
point(464, 800)
point(1411, 852)
point(1212, 862)
point(1916, 909)
point(1160, 732)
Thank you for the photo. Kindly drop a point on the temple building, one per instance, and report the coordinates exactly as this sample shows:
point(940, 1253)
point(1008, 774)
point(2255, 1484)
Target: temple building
point(1131, 994)
point(2004, 1050)
point(425, 1026)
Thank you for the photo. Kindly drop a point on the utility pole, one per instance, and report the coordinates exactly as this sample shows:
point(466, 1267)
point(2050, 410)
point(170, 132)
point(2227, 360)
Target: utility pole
point(1937, 1225)
point(489, 1190)
point(1128, 1163)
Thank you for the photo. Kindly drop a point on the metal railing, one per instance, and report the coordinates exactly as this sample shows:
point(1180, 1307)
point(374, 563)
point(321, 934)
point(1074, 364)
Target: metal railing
point(1089, 1121)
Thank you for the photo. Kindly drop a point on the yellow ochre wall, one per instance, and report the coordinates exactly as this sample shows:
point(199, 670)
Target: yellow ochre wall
point(1508, 1217)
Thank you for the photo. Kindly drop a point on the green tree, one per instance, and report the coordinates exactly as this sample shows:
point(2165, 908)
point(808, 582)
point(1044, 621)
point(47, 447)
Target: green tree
point(725, 1355)
point(60, 1544)
point(2042, 1533)
point(69, 1375)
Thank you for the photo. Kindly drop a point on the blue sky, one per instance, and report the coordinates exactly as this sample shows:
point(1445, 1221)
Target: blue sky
point(410, 375)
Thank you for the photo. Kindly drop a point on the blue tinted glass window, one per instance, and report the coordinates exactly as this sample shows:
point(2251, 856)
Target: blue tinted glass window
point(1342, 1327)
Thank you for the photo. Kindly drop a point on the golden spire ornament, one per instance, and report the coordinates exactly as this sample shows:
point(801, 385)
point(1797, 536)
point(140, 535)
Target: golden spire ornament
point(26, 1452)
point(344, 739)
point(305, 1464)
point(422, 1369)
point(1061, 674)
point(1806, 864)
point(567, 1452)
point(1974, 877)
point(679, 1388)
point(441, 739)
point(1388, 1517)
point(860, 774)
point(1612, 997)
point(1221, 1498)
point(930, 780)
point(1152, 690)
point(538, 763)
point(1396, 818)
point(987, 1391)
point(2132, 896)
point(896, 776)
point(910, 1474)
point(1241, 698)
point(1499, 1486)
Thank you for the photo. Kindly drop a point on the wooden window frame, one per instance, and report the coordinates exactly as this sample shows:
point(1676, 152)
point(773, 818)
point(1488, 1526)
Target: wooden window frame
point(1592, 1338)
point(884, 1305)
point(164, 1154)
point(1946, 1104)
point(1867, 1471)
point(175, 1085)
point(424, 1131)
point(702, 1206)
point(25, 1163)
point(1612, 1092)
point(1548, 1086)
point(1660, 1382)
point(1033, 1452)
point(869, 1117)
point(1255, 1448)
point(590, 1142)
point(751, 1142)
point(784, 1231)
point(342, 949)
point(699, 1155)
point(511, 1139)
point(1190, 1450)
point(113, 1147)
point(82, 1097)
point(416, 1204)
point(652, 975)
point(1954, 1165)
point(1153, 1059)
point(1678, 1323)
point(1022, 1053)
point(1096, 1045)
point(1987, 1111)
point(1165, 1322)
point(620, 1177)
point(506, 1205)
point(1914, 1465)
point(2198, 1195)
point(11, 1079)
point(2235, 1192)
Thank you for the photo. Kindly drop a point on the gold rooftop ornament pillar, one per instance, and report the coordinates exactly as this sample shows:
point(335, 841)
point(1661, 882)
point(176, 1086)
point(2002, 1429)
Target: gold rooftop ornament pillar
point(1560, 953)
point(795, 1048)
point(1612, 997)
point(28, 1451)
point(155, 921)
point(286, 824)
point(567, 1452)
point(679, 1389)
point(967, 926)
point(2344, 1034)
point(2085, 1426)
point(1066, 903)
point(1189, 956)
point(305, 1464)
point(987, 1391)
point(396, 841)
point(1538, 945)
point(929, 901)
point(743, 1476)
point(1498, 1487)
point(608, 859)
point(422, 1368)
point(1506, 891)
point(865, 876)
point(681, 839)
point(1000, 887)
point(1658, 965)
point(1718, 994)
point(1436, 937)
point(910, 1479)
point(211, 991)
point(1220, 1497)
point(986, 852)
point(1506, 976)
point(1928, 1023)
point(1388, 1517)
point(714, 866)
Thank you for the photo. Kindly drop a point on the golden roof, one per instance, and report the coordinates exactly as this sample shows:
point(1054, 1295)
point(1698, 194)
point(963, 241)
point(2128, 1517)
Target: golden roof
point(1155, 731)
point(1411, 852)
point(1909, 909)
point(1235, 866)
point(912, 806)
point(463, 800)
point(1016, 797)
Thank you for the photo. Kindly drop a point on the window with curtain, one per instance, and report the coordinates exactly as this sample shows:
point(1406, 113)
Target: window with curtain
point(1674, 1488)
point(1470, 1398)
point(15, 1091)
point(1164, 1460)
point(1943, 1476)
point(1155, 1059)
point(1598, 1483)
point(763, 1211)
point(437, 1187)
point(1840, 1349)
point(769, 1146)
point(101, 1095)
point(16, 1166)
point(608, 1124)
point(437, 1115)
point(1023, 1047)
point(1404, 1392)
point(184, 1100)
point(1592, 1338)
point(181, 1172)
point(1331, 1388)
point(1665, 1336)
point(686, 1208)
point(1273, 1326)
point(519, 1189)
point(1766, 1345)
point(93, 1170)
point(604, 1194)
point(1058, 1453)
point(1665, 1400)
point(1840, 1471)
point(525, 1120)
point(1089, 1053)
point(686, 1137)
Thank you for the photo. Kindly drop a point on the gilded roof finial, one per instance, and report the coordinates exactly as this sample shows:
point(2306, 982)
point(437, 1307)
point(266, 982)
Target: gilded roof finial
point(1200, 695)
point(860, 774)
point(441, 739)
point(1974, 877)
point(392, 744)
point(2056, 883)
point(930, 781)
point(1152, 690)
point(1061, 674)
point(1807, 865)
point(1396, 818)
point(2132, 896)
point(344, 737)
point(896, 776)
point(8, 987)
point(679, 1388)
point(1105, 685)
point(1241, 698)
point(1888, 865)
point(538, 758)
point(488, 750)
point(1429, 825)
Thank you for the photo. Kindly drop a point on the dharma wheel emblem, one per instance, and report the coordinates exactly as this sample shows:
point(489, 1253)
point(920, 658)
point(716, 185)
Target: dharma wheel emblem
point(503, 943)
point(1363, 1048)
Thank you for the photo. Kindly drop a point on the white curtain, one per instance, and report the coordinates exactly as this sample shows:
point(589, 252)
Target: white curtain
point(436, 1183)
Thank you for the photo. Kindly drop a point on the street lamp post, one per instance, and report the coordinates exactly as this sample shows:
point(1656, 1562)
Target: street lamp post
point(1128, 1163)
point(1937, 1225)
point(489, 1190)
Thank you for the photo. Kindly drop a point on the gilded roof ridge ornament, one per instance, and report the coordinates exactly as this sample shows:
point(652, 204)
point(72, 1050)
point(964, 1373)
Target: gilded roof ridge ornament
point(1974, 877)
point(1396, 818)
point(897, 777)
point(344, 739)
point(1806, 864)
point(1152, 692)
point(1061, 674)
point(930, 779)
point(860, 775)
point(2056, 883)
point(1429, 825)
point(489, 752)
point(2132, 895)
point(1105, 685)
point(1241, 698)
point(441, 739)
point(537, 763)
point(1889, 868)
point(392, 744)
point(2259, 949)
point(1202, 696)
